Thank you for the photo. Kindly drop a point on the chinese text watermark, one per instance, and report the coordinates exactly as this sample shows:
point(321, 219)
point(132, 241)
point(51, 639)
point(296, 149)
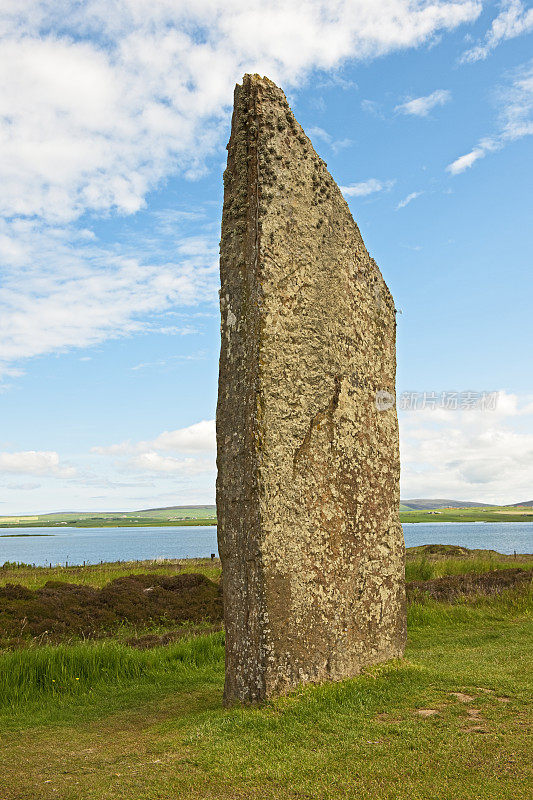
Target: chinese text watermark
point(447, 401)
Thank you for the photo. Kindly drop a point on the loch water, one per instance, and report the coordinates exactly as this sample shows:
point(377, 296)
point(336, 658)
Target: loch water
point(42, 546)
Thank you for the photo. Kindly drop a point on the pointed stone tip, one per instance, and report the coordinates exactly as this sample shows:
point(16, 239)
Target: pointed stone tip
point(252, 80)
point(254, 77)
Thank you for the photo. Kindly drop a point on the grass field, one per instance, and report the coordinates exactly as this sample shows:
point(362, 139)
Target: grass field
point(101, 720)
point(499, 514)
point(422, 563)
point(206, 515)
point(180, 515)
point(99, 575)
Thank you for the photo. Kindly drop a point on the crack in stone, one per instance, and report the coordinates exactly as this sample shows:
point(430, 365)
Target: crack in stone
point(315, 422)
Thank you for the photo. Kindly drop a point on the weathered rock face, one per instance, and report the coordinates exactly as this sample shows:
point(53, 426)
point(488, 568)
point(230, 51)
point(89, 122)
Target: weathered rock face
point(308, 463)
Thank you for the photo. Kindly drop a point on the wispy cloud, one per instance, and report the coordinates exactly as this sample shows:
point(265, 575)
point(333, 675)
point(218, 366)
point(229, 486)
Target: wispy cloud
point(59, 293)
point(408, 199)
point(466, 161)
point(421, 106)
point(336, 145)
point(364, 188)
point(513, 20)
point(28, 486)
point(168, 363)
point(372, 107)
point(515, 117)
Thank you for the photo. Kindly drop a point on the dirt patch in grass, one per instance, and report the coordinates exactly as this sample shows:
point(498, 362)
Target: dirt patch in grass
point(59, 610)
point(454, 586)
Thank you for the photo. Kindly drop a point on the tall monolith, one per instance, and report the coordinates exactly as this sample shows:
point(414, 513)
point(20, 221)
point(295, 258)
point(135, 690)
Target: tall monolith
point(307, 438)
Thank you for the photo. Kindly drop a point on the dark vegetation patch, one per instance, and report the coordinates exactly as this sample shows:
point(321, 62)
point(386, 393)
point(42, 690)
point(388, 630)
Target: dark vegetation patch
point(438, 551)
point(451, 587)
point(184, 604)
point(59, 610)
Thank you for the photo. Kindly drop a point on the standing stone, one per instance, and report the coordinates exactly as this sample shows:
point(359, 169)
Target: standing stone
point(307, 436)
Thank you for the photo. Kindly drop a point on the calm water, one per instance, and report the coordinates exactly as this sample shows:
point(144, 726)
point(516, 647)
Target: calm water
point(92, 545)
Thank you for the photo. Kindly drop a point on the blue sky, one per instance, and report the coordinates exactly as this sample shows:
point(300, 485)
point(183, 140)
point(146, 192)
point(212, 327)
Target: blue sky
point(114, 119)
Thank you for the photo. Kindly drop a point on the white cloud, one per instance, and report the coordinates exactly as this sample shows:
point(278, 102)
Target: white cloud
point(513, 20)
point(315, 132)
point(408, 199)
point(193, 450)
point(341, 144)
point(466, 161)
point(35, 462)
point(421, 106)
point(152, 462)
point(100, 103)
point(515, 103)
point(478, 455)
point(199, 437)
point(170, 362)
point(365, 188)
point(515, 118)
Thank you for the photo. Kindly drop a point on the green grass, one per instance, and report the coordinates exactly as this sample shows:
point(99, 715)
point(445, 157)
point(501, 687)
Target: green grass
point(51, 674)
point(418, 567)
point(423, 568)
point(98, 575)
point(149, 725)
point(145, 522)
point(180, 515)
point(499, 514)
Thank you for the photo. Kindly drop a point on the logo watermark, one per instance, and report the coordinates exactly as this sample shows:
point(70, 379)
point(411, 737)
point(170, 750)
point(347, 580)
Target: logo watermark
point(446, 401)
point(384, 400)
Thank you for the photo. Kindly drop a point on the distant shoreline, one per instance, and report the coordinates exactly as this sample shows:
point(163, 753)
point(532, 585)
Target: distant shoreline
point(435, 517)
point(125, 524)
point(410, 511)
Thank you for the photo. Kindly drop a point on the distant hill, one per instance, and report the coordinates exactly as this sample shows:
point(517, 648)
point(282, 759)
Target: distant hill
point(422, 504)
point(206, 514)
point(172, 508)
point(171, 513)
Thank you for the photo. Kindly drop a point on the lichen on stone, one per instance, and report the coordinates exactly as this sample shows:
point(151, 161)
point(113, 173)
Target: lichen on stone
point(308, 462)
